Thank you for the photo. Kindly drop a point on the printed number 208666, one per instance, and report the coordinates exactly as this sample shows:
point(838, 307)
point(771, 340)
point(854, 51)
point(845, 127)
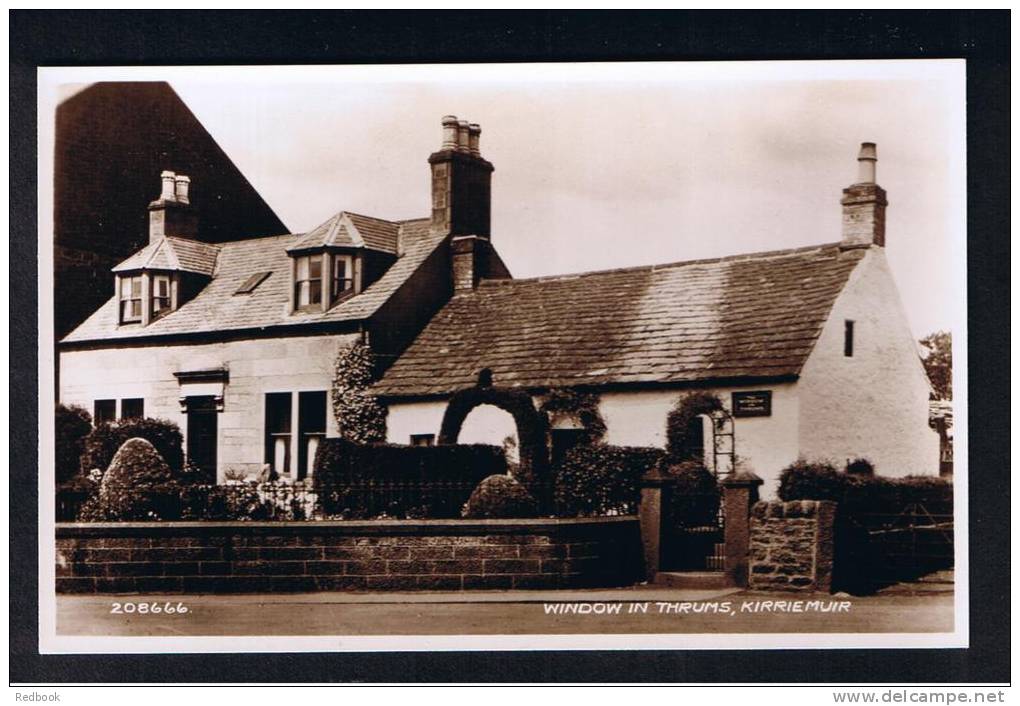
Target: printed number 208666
point(149, 608)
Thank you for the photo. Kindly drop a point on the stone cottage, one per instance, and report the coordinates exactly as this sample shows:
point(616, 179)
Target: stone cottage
point(808, 348)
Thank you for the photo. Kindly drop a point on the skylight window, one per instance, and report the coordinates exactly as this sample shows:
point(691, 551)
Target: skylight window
point(252, 282)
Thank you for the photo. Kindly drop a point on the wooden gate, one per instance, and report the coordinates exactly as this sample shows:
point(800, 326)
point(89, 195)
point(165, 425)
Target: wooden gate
point(906, 545)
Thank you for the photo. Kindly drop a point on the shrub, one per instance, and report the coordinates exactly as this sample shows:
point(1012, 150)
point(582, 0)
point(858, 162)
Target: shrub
point(500, 497)
point(695, 495)
point(678, 421)
point(860, 493)
point(583, 406)
point(138, 485)
point(601, 479)
point(358, 481)
point(72, 425)
point(241, 501)
point(358, 414)
point(860, 467)
point(99, 447)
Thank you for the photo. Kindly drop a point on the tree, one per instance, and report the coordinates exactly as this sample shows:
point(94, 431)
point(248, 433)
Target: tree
point(359, 416)
point(938, 363)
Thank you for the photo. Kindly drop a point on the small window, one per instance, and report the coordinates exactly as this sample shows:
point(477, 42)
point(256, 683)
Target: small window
point(252, 282)
point(132, 408)
point(423, 439)
point(160, 295)
point(104, 411)
point(308, 282)
point(343, 279)
point(848, 339)
point(278, 431)
point(130, 299)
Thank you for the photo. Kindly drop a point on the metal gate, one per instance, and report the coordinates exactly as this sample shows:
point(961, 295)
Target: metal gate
point(906, 545)
point(694, 539)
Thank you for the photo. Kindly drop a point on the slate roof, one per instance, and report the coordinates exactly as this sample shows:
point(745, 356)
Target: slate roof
point(352, 230)
point(173, 253)
point(217, 308)
point(749, 316)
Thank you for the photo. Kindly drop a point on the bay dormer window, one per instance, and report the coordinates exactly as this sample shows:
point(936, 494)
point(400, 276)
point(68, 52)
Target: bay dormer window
point(131, 299)
point(323, 279)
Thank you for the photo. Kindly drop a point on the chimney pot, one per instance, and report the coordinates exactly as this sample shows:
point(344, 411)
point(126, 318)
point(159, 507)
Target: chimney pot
point(866, 161)
point(181, 184)
point(474, 137)
point(450, 124)
point(167, 193)
point(463, 140)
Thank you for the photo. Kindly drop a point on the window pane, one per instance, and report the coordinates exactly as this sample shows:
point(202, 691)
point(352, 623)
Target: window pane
point(315, 292)
point(302, 293)
point(136, 286)
point(302, 268)
point(340, 268)
point(125, 287)
point(277, 442)
point(132, 408)
point(136, 308)
point(104, 411)
point(315, 266)
point(162, 287)
point(312, 412)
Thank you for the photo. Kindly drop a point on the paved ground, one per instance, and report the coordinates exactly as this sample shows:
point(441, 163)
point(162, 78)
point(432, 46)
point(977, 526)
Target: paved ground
point(640, 609)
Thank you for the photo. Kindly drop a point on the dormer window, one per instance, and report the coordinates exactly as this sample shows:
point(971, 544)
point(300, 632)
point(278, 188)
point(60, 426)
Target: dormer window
point(131, 299)
point(308, 282)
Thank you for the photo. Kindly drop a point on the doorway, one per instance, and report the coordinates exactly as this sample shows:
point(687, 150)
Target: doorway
point(202, 435)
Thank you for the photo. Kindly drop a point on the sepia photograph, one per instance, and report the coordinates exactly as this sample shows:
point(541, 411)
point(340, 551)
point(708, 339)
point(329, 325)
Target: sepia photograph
point(573, 356)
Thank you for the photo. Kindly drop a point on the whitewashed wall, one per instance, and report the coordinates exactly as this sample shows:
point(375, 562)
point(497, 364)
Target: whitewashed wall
point(874, 404)
point(256, 367)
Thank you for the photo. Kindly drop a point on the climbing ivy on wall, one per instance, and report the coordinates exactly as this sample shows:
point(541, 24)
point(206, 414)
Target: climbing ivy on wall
point(583, 406)
point(679, 419)
point(359, 416)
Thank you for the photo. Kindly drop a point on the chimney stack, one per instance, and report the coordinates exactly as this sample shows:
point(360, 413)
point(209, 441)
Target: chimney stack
point(461, 181)
point(171, 214)
point(864, 204)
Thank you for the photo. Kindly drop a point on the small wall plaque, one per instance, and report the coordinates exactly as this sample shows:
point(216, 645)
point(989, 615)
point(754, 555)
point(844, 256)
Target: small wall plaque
point(752, 404)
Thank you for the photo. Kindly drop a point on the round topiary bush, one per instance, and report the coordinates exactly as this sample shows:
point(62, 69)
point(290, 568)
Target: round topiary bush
point(138, 485)
point(99, 447)
point(500, 497)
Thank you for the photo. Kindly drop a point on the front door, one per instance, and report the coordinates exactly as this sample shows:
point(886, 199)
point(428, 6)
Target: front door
point(202, 428)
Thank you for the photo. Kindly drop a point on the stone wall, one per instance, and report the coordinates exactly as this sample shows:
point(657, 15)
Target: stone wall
point(792, 545)
point(450, 555)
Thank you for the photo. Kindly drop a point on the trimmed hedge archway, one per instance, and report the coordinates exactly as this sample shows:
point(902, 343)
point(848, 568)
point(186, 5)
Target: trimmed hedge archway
point(532, 425)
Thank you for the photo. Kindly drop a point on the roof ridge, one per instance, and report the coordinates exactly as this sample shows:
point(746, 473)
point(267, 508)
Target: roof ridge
point(766, 254)
point(371, 218)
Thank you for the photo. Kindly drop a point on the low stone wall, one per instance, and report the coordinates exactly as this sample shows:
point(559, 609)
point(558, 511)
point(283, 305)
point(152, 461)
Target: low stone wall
point(792, 545)
point(449, 555)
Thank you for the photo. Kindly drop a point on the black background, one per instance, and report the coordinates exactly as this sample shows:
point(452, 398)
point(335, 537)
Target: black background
point(193, 37)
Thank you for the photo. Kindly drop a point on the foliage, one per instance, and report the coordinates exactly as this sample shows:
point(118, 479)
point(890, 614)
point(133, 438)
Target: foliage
point(434, 481)
point(138, 485)
point(695, 496)
point(358, 414)
point(73, 424)
point(583, 406)
point(99, 447)
point(599, 479)
point(860, 493)
point(938, 363)
point(678, 421)
point(532, 426)
point(500, 497)
point(860, 467)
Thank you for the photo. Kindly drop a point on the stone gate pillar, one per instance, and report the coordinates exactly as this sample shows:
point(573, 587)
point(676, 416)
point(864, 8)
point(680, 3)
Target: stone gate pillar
point(653, 511)
point(740, 493)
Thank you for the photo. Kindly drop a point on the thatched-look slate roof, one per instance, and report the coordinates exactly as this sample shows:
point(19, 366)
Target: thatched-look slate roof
point(745, 317)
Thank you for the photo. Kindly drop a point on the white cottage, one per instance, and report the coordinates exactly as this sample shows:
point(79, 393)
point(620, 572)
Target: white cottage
point(808, 348)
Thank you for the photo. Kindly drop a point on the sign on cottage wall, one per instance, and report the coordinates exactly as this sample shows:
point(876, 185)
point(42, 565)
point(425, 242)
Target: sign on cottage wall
point(752, 404)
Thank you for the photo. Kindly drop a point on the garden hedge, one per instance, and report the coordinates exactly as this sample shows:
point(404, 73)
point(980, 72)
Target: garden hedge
point(804, 480)
point(72, 425)
point(600, 479)
point(366, 480)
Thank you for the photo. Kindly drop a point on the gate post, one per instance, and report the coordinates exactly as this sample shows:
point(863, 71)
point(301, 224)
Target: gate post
point(653, 514)
point(740, 493)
